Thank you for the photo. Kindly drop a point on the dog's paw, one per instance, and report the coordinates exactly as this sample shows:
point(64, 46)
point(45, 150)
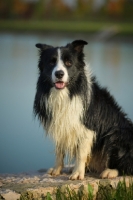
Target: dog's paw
point(109, 173)
point(54, 171)
point(77, 175)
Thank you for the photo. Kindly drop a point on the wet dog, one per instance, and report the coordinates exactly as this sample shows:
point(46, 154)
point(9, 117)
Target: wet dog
point(83, 119)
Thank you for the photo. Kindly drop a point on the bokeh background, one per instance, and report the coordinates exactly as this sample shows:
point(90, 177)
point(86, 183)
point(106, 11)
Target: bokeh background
point(66, 9)
point(107, 26)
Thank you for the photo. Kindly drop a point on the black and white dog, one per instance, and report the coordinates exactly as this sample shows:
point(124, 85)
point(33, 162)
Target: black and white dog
point(83, 119)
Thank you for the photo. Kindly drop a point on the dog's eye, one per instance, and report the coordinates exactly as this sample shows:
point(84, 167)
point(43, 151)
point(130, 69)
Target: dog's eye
point(52, 61)
point(68, 63)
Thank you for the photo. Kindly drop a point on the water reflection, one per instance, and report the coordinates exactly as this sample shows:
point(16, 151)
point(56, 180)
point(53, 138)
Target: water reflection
point(23, 146)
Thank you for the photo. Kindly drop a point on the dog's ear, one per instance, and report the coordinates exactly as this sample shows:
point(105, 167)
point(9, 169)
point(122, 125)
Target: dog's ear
point(78, 45)
point(43, 46)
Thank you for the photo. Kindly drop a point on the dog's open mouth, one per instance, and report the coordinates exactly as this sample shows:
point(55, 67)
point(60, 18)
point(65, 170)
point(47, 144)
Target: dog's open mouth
point(60, 84)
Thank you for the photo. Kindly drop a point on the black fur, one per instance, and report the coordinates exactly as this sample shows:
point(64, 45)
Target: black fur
point(114, 131)
point(77, 83)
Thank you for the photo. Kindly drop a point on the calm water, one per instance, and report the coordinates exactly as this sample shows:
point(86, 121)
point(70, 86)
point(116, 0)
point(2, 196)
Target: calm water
point(23, 146)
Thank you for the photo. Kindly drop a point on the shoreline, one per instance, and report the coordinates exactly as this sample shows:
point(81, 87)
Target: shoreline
point(38, 184)
point(86, 27)
point(90, 37)
point(92, 31)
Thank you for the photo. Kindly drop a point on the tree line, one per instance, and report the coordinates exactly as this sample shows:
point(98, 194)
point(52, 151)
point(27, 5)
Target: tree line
point(58, 9)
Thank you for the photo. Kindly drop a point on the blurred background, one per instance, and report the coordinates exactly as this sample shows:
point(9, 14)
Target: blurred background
point(107, 25)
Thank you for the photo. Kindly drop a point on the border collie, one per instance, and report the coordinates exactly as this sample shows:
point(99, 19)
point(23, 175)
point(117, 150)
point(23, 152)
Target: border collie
point(83, 119)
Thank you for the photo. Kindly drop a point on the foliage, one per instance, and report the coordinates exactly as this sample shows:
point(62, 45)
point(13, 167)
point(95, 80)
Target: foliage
point(26, 196)
point(68, 194)
point(122, 192)
point(59, 9)
point(66, 26)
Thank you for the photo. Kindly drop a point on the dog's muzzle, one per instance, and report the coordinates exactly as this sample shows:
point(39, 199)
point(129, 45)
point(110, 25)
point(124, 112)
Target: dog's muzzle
point(59, 84)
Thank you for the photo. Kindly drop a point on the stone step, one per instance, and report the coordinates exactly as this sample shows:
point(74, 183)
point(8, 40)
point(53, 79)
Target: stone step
point(38, 184)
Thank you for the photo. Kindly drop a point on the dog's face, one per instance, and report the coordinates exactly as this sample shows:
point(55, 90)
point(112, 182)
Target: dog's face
point(61, 65)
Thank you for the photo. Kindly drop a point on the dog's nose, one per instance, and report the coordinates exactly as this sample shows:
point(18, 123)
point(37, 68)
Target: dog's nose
point(59, 74)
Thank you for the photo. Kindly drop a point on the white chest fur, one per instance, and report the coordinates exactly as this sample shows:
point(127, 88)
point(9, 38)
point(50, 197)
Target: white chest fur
point(65, 127)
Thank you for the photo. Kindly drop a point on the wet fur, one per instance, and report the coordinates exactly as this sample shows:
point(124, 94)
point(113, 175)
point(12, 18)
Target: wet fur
point(83, 119)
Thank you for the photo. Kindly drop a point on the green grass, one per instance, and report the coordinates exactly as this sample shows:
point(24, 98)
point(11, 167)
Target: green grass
point(69, 194)
point(65, 26)
point(121, 192)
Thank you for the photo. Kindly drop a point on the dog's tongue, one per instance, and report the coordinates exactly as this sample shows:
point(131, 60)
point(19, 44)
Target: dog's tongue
point(60, 85)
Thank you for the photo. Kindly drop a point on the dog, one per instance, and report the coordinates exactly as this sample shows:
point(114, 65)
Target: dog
point(82, 118)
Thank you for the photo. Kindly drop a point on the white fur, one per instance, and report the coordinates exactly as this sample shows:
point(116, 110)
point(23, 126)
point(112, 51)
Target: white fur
point(109, 173)
point(66, 129)
point(60, 66)
point(65, 126)
point(84, 152)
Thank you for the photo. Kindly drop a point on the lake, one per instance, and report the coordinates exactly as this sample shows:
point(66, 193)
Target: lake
point(23, 145)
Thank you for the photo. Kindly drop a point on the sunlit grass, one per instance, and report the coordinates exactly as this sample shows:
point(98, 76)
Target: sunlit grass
point(69, 194)
point(105, 192)
point(121, 192)
point(65, 26)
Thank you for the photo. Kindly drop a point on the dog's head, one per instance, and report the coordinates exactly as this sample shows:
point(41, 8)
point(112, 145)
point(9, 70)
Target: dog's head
point(61, 65)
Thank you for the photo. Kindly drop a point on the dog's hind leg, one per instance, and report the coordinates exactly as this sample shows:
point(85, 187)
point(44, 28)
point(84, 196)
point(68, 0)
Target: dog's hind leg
point(119, 148)
point(109, 173)
point(58, 165)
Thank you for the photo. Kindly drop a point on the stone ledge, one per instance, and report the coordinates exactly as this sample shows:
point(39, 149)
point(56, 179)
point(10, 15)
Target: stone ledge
point(12, 186)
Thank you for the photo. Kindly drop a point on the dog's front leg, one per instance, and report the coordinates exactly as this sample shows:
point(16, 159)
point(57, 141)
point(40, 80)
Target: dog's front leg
point(59, 164)
point(83, 151)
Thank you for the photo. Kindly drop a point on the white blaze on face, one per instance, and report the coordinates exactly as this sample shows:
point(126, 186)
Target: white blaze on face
point(59, 83)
